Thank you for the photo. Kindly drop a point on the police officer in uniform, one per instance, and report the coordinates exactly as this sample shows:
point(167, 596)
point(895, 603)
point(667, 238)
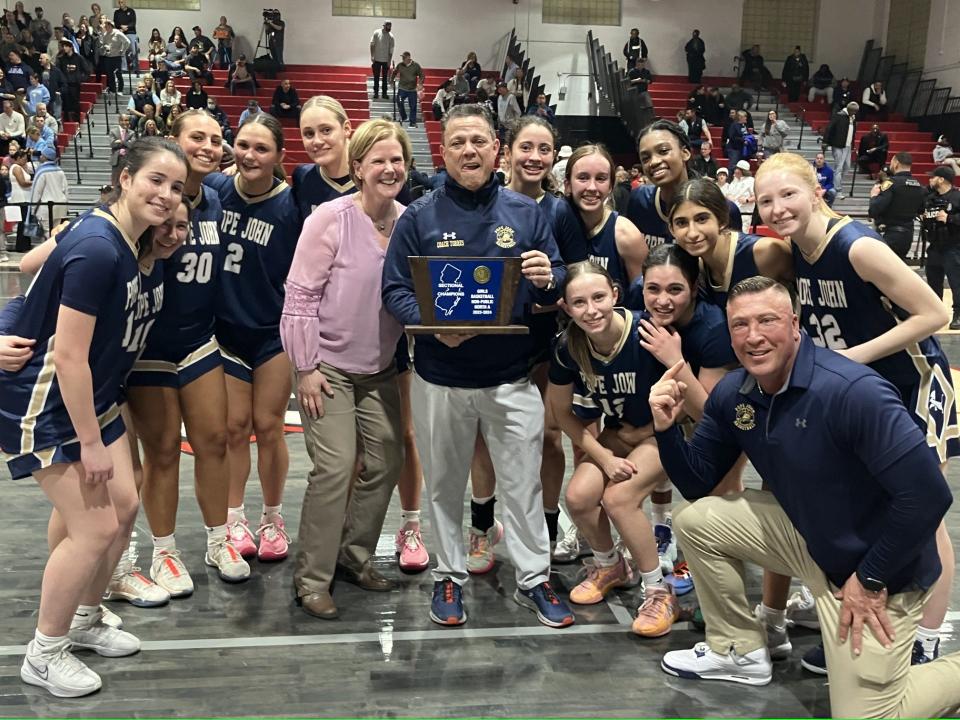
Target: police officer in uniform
point(895, 203)
point(941, 223)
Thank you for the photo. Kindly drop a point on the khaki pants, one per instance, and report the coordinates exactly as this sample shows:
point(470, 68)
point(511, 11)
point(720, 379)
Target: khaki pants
point(339, 523)
point(720, 534)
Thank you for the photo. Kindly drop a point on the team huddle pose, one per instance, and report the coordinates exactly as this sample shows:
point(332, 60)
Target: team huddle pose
point(227, 291)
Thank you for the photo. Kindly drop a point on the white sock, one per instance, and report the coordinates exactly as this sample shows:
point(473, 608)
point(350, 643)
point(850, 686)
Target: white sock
point(216, 535)
point(235, 514)
point(661, 514)
point(928, 639)
point(47, 643)
point(607, 559)
point(270, 512)
point(85, 616)
point(410, 518)
point(165, 543)
point(652, 579)
point(483, 500)
point(776, 619)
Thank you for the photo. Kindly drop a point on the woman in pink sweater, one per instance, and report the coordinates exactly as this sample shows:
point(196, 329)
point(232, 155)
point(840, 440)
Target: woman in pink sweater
point(342, 342)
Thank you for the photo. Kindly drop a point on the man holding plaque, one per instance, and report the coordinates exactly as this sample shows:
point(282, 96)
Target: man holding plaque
point(467, 381)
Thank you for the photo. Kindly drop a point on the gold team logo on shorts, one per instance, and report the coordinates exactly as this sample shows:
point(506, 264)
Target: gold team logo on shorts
point(481, 274)
point(746, 418)
point(505, 236)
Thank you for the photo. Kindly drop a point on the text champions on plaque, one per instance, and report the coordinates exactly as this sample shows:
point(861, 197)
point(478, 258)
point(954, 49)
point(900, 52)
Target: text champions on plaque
point(466, 294)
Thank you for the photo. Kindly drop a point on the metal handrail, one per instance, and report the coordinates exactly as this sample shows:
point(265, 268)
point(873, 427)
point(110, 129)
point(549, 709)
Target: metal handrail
point(803, 114)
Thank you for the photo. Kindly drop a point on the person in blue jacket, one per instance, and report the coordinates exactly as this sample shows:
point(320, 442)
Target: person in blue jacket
point(465, 383)
point(854, 503)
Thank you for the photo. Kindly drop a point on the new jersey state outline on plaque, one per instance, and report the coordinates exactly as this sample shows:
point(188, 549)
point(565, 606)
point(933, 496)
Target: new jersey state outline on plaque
point(450, 290)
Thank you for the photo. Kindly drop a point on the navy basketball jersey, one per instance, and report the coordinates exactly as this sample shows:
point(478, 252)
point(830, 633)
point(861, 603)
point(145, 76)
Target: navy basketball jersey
point(647, 210)
point(93, 270)
point(602, 250)
point(623, 379)
point(312, 188)
point(705, 340)
point(259, 236)
point(741, 265)
point(567, 228)
point(839, 309)
point(191, 277)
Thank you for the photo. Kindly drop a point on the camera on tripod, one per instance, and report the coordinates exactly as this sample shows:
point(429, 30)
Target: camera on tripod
point(271, 15)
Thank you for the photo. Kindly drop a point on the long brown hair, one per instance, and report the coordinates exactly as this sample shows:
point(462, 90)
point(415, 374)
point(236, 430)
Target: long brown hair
point(578, 345)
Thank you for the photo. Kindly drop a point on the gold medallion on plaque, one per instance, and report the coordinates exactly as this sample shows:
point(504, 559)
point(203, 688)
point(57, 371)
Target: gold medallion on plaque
point(481, 274)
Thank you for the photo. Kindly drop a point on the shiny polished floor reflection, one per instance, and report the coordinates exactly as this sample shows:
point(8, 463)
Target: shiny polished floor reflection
point(248, 650)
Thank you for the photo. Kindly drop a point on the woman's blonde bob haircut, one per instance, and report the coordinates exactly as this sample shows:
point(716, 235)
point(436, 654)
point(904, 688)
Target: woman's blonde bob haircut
point(368, 134)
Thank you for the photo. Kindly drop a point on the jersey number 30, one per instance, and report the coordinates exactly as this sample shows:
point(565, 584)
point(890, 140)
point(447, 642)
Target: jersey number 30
point(825, 332)
point(196, 268)
point(234, 258)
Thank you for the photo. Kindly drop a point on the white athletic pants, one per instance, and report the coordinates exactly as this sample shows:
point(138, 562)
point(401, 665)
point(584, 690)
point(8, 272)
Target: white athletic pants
point(841, 164)
point(510, 416)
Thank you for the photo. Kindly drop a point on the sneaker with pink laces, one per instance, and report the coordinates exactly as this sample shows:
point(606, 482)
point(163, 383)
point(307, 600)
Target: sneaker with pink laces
point(239, 535)
point(659, 611)
point(274, 541)
point(412, 556)
point(601, 580)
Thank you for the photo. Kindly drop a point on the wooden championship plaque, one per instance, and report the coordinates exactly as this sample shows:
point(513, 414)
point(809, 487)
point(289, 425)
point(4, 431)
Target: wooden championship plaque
point(466, 295)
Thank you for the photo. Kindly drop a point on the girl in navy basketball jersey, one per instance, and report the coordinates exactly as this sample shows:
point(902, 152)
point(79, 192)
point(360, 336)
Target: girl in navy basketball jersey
point(613, 241)
point(325, 131)
point(259, 228)
point(599, 370)
point(700, 222)
point(664, 150)
point(179, 378)
point(858, 298)
point(60, 419)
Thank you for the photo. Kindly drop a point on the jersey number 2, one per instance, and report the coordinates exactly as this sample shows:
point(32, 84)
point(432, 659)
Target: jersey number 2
point(825, 332)
point(234, 258)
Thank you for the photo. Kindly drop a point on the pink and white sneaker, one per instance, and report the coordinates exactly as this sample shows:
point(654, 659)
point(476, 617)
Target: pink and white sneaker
point(274, 541)
point(412, 556)
point(239, 535)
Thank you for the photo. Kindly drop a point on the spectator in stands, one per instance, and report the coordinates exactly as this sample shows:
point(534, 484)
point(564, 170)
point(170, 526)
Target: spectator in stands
point(698, 99)
point(36, 93)
point(224, 35)
point(21, 183)
point(635, 48)
point(12, 150)
point(738, 98)
point(703, 164)
point(7, 42)
point(55, 81)
point(742, 193)
point(821, 84)
point(774, 134)
point(197, 66)
point(825, 178)
point(214, 109)
point(89, 43)
point(443, 100)
point(241, 74)
point(114, 45)
point(286, 102)
point(7, 91)
point(471, 70)
point(177, 33)
point(139, 99)
point(542, 109)
point(507, 108)
point(122, 138)
point(150, 116)
point(125, 20)
point(839, 137)
point(636, 176)
point(11, 126)
point(381, 55)
point(41, 29)
point(49, 186)
point(410, 78)
point(715, 107)
point(943, 154)
point(621, 191)
point(510, 70)
point(723, 181)
point(461, 87)
point(176, 52)
point(487, 86)
point(150, 129)
point(18, 74)
point(197, 97)
point(842, 95)
point(169, 97)
point(639, 78)
point(202, 42)
point(560, 167)
point(873, 101)
point(160, 74)
point(796, 71)
point(46, 118)
point(517, 86)
point(49, 133)
point(253, 109)
point(734, 139)
point(753, 70)
point(153, 89)
point(696, 51)
point(156, 47)
point(695, 128)
point(275, 28)
point(21, 16)
point(36, 142)
point(872, 151)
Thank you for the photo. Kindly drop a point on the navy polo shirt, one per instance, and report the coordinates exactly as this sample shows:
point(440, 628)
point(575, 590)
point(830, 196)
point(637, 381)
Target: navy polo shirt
point(842, 456)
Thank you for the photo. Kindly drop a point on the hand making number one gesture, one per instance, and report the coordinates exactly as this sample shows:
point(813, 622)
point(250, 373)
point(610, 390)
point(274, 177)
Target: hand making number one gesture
point(666, 398)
